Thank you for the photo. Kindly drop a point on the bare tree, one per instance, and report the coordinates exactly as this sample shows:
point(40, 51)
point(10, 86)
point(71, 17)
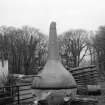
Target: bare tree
point(73, 47)
point(99, 45)
point(20, 46)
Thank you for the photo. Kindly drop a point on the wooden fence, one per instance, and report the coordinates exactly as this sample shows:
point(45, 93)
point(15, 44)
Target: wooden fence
point(85, 76)
point(16, 94)
point(23, 92)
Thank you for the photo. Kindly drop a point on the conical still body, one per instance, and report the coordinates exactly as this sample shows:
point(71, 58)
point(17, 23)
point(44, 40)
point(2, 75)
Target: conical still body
point(54, 76)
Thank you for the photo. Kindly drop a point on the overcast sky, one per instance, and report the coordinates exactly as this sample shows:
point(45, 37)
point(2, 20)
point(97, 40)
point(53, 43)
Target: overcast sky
point(86, 14)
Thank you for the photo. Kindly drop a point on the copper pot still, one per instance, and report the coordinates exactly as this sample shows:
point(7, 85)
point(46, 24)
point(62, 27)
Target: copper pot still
point(54, 83)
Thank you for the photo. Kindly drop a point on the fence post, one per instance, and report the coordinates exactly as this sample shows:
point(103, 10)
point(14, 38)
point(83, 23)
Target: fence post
point(18, 95)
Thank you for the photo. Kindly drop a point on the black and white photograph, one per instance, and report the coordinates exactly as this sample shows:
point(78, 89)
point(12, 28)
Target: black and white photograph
point(52, 52)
